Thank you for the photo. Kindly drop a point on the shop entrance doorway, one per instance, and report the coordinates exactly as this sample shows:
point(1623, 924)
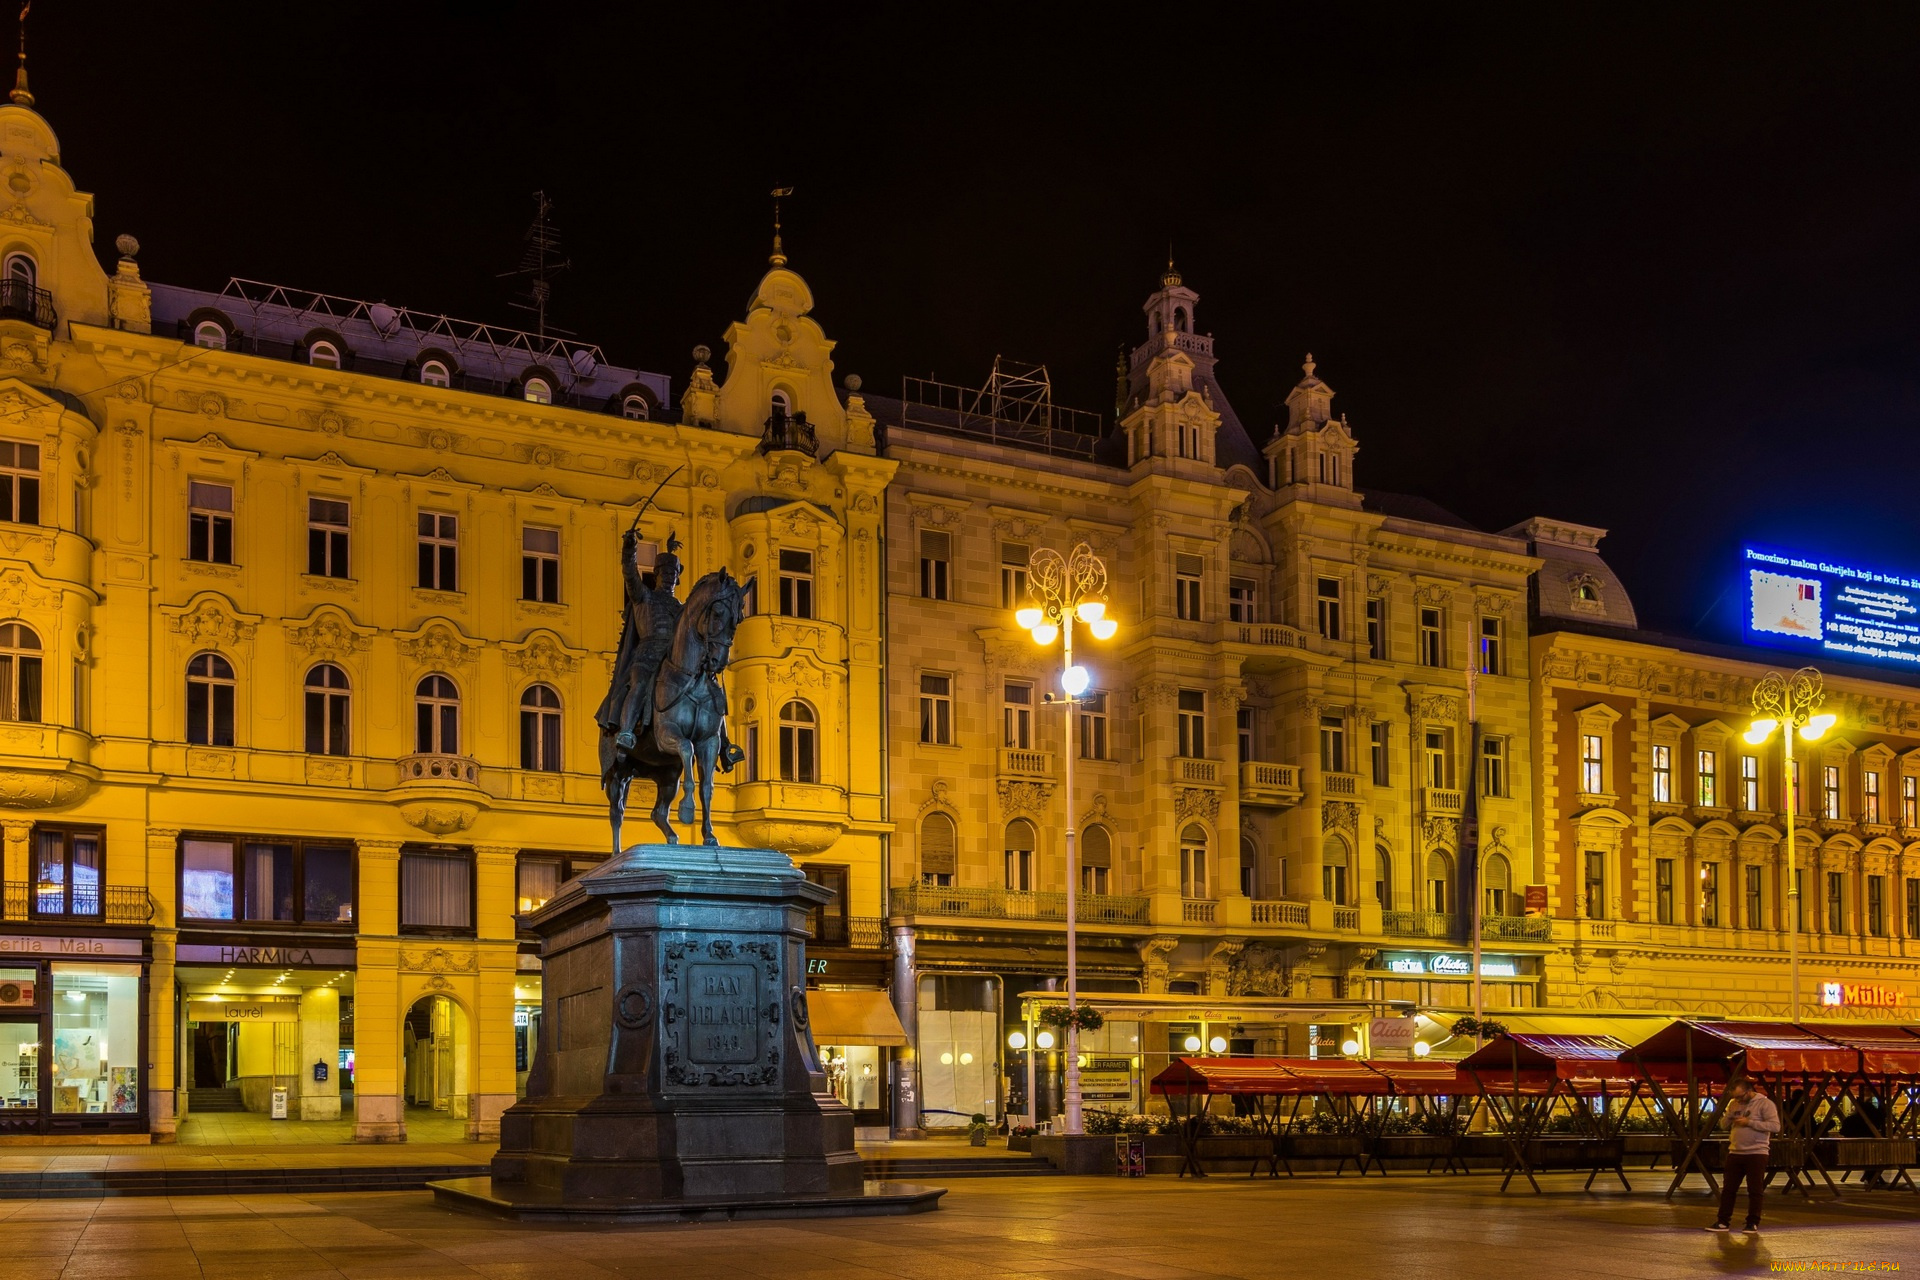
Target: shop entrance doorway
point(436, 1043)
point(213, 1045)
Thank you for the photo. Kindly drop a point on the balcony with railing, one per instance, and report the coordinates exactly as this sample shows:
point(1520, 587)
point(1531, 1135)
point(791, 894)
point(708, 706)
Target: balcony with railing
point(20, 300)
point(1516, 929)
point(1263, 782)
point(858, 933)
point(1443, 800)
point(1192, 771)
point(432, 768)
point(1198, 910)
point(1339, 784)
point(1346, 919)
point(1417, 924)
point(1259, 635)
point(992, 903)
point(1016, 762)
point(89, 903)
point(789, 432)
point(1442, 924)
point(1280, 912)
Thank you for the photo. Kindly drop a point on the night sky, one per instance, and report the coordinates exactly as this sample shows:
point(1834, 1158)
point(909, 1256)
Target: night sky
point(1652, 271)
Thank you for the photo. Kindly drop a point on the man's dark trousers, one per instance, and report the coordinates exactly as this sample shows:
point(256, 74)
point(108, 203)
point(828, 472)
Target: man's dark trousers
point(1752, 1167)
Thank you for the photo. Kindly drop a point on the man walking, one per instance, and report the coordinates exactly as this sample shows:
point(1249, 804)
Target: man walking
point(1751, 1120)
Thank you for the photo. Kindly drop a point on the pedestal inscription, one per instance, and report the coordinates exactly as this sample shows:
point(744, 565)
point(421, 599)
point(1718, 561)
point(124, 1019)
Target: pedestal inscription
point(721, 1013)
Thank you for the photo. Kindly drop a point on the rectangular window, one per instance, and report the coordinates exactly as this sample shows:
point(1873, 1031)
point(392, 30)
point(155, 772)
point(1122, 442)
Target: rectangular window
point(1756, 902)
point(327, 527)
point(1750, 783)
point(1376, 629)
point(1870, 796)
point(1241, 599)
point(1093, 879)
point(1909, 801)
point(1377, 747)
point(536, 881)
point(936, 709)
point(1438, 763)
point(1493, 766)
point(1663, 775)
point(796, 584)
point(1020, 870)
point(20, 482)
point(1093, 726)
point(1830, 791)
point(752, 747)
point(1877, 906)
point(1193, 723)
point(1706, 778)
point(436, 890)
point(20, 677)
point(95, 1055)
point(1593, 772)
point(80, 695)
point(1244, 733)
point(210, 523)
point(1596, 885)
point(1432, 651)
point(1333, 744)
point(1490, 646)
point(305, 882)
point(1663, 890)
point(68, 866)
point(936, 557)
point(1710, 895)
point(1193, 870)
point(1017, 715)
point(1327, 595)
point(1836, 902)
point(1913, 907)
point(540, 564)
point(1799, 900)
point(1013, 574)
point(439, 551)
point(1186, 587)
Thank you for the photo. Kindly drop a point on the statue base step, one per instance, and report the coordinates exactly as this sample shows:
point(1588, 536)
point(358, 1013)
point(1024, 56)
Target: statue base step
point(526, 1203)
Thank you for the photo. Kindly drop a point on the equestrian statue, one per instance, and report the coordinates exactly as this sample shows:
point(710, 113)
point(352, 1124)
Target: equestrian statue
point(664, 718)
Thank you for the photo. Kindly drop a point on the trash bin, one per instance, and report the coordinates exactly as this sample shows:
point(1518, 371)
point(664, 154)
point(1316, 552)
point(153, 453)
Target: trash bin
point(280, 1104)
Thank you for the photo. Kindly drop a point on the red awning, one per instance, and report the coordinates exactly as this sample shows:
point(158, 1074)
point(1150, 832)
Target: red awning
point(1535, 1063)
point(1342, 1076)
point(1883, 1049)
point(1760, 1048)
point(1227, 1075)
point(1424, 1079)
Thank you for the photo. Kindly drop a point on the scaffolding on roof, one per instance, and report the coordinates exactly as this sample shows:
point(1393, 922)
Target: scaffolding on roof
point(578, 358)
point(1014, 407)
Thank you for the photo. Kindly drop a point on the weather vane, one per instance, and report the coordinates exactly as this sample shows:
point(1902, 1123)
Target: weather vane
point(20, 94)
point(779, 257)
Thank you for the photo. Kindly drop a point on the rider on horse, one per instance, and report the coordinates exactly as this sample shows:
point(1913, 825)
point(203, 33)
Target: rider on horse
point(651, 613)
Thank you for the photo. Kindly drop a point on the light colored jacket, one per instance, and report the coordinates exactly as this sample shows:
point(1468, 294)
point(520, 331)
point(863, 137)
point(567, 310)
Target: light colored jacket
point(1762, 1121)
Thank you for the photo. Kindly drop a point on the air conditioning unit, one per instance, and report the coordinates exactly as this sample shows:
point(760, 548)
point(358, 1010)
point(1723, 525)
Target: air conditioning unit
point(16, 995)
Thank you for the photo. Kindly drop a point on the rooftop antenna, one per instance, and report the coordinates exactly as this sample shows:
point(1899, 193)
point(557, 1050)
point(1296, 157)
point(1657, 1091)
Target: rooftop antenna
point(20, 94)
point(778, 257)
point(540, 261)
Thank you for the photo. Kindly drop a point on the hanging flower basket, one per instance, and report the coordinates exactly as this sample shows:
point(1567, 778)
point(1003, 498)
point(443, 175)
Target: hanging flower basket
point(1485, 1028)
point(1086, 1019)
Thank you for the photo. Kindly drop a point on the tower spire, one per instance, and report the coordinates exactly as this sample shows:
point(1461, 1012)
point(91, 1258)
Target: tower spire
point(20, 93)
point(778, 257)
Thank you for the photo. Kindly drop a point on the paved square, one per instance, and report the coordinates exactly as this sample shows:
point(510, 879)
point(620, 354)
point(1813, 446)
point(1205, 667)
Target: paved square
point(1432, 1228)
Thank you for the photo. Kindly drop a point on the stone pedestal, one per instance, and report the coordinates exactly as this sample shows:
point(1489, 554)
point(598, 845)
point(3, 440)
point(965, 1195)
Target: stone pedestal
point(675, 1070)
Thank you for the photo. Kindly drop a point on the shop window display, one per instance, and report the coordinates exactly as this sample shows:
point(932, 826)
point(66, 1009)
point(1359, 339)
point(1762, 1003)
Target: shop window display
point(959, 1049)
point(856, 1073)
point(19, 1042)
point(96, 1039)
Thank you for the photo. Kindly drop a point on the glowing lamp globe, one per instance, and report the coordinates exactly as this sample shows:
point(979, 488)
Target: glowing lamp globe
point(1045, 633)
point(1044, 1039)
point(1193, 1044)
point(1090, 611)
point(1761, 731)
point(1075, 680)
point(1103, 628)
point(1028, 618)
point(1018, 1040)
point(1421, 1048)
point(1218, 1044)
point(1349, 1047)
point(1817, 726)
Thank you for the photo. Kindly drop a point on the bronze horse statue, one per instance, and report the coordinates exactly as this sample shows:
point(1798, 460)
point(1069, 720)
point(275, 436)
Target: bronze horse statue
point(687, 735)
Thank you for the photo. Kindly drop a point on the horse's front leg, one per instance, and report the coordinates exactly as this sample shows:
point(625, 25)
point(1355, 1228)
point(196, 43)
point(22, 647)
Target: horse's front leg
point(709, 745)
point(664, 777)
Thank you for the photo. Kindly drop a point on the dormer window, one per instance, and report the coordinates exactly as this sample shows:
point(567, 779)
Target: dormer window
point(210, 334)
point(634, 408)
point(434, 374)
point(323, 355)
point(537, 391)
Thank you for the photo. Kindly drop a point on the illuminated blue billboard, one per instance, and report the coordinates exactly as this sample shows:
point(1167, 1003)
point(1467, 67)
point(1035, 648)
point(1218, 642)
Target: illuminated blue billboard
point(1833, 610)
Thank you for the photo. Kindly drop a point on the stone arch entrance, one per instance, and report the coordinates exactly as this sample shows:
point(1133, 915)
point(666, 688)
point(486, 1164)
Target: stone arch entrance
point(436, 1055)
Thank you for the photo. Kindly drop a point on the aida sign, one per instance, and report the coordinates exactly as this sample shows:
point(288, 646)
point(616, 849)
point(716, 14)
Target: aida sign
point(1817, 606)
point(1861, 995)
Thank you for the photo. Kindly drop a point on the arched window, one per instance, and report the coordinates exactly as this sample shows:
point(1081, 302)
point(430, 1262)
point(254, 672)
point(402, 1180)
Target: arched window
point(323, 355)
point(1193, 862)
point(1180, 319)
point(21, 271)
point(436, 717)
point(210, 334)
point(1096, 860)
point(210, 701)
point(634, 407)
point(1383, 877)
point(19, 673)
point(1334, 870)
point(540, 729)
point(537, 391)
point(1020, 842)
point(938, 854)
point(1496, 879)
point(782, 404)
point(1439, 882)
point(1249, 866)
point(327, 719)
point(799, 743)
point(434, 374)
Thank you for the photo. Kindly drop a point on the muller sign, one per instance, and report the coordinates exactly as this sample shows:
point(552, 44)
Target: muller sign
point(1861, 995)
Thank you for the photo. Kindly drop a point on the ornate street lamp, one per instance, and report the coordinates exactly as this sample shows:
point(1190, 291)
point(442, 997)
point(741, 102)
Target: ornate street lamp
point(1790, 704)
point(1065, 590)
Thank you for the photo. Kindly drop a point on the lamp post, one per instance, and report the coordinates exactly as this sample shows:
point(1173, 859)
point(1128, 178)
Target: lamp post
point(1065, 590)
point(1790, 704)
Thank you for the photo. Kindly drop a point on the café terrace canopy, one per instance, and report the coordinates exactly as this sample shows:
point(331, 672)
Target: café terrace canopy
point(1533, 1063)
point(1756, 1048)
point(1327, 1077)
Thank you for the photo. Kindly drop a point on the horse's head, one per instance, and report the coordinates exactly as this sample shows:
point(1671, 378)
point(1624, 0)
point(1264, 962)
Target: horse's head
point(713, 611)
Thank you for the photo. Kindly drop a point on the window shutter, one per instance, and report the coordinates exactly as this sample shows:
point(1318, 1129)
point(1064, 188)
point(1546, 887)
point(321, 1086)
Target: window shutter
point(937, 855)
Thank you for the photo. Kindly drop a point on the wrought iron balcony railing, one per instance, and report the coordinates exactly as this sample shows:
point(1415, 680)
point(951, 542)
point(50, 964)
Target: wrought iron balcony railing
point(789, 431)
point(90, 903)
point(20, 300)
point(1016, 904)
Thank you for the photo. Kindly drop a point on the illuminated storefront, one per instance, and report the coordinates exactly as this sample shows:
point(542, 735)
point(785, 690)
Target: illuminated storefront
point(73, 1034)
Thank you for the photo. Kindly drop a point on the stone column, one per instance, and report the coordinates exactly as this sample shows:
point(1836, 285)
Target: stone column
point(906, 1065)
point(491, 1080)
point(19, 857)
point(166, 1092)
point(319, 1043)
point(379, 1115)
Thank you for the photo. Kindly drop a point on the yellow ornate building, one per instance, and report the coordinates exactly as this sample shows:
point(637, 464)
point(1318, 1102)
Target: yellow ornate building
point(307, 608)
